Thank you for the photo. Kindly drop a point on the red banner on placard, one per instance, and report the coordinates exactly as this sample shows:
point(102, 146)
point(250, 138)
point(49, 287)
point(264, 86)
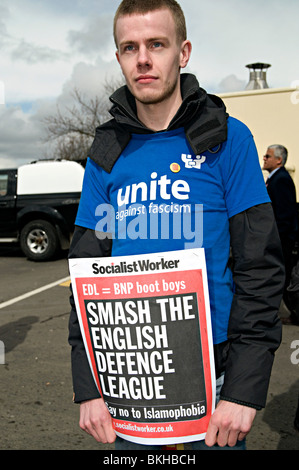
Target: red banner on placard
point(145, 321)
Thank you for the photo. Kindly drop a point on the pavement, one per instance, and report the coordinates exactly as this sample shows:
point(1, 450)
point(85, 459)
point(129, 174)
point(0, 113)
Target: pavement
point(36, 408)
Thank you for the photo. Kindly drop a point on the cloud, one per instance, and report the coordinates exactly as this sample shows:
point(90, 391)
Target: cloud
point(90, 78)
point(33, 54)
point(232, 83)
point(94, 38)
point(4, 36)
point(23, 134)
point(21, 137)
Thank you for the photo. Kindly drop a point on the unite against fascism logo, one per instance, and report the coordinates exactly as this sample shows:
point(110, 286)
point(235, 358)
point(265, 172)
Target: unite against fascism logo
point(160, 209)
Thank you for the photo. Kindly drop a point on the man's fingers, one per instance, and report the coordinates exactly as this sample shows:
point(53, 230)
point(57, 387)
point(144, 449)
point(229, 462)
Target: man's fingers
point(211, 435)
point(229, 423)
point(95, 419)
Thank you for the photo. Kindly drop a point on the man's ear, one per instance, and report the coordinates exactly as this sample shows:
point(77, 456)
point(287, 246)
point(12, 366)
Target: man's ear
point(186, 49)
point(279, 160)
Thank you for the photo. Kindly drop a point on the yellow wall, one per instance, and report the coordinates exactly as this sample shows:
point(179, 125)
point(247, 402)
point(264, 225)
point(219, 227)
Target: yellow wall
point(273, 118)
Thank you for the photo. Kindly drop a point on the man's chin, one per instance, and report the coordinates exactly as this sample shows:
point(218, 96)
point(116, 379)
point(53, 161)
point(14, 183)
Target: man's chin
point(149, 97)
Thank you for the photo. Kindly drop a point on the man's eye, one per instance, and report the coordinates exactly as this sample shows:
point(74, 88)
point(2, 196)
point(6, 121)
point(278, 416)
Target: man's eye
point(129, 48)
point(156, 44)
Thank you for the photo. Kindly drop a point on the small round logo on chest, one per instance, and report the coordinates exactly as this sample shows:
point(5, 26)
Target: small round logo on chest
point(175, 167)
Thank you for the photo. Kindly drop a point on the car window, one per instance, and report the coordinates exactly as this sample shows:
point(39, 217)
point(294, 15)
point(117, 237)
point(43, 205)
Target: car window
point(3, 185)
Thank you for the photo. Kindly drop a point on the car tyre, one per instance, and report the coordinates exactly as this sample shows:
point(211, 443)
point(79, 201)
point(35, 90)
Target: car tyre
point(39, 240)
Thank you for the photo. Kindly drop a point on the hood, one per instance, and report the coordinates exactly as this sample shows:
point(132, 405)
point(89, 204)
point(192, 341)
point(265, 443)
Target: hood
point(203, 117)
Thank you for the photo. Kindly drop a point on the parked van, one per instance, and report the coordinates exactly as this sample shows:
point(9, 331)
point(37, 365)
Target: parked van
point(38, 206)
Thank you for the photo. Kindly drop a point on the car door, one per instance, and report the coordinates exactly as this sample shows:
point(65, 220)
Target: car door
point(8, 224)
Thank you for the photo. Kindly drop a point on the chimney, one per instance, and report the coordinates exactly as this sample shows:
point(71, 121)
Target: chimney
point(258, 76)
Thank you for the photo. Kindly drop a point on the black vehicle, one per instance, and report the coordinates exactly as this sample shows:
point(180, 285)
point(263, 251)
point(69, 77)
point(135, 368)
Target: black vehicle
point(38, 206)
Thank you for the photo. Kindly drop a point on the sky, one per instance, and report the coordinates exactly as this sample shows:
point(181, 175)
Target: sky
point(50, 47)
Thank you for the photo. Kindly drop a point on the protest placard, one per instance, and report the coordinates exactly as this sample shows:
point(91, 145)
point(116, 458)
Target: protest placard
point(145, 322)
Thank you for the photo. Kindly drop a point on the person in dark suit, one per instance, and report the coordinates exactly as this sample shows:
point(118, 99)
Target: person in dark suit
point(282, 192)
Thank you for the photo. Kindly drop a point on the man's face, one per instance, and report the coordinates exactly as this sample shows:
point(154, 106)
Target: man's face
point(270, 161)
point(150, 56)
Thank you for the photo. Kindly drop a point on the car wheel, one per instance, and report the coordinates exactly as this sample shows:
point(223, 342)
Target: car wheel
point(39, 240)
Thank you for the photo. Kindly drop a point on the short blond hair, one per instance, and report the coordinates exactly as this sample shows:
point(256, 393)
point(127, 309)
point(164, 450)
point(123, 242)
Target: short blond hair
point(129, 7)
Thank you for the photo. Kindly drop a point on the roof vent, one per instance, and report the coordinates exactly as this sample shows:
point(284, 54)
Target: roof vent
point(258, 76)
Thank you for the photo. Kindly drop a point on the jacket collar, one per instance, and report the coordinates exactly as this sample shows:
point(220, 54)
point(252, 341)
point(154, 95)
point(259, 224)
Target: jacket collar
point(203, 117)
point(125, 113)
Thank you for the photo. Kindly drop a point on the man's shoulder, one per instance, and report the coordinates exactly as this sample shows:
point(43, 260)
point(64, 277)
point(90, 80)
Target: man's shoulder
point(237, 133)
point(282, 173)
point(282, 179)
point(109, 141)
point(235, 126)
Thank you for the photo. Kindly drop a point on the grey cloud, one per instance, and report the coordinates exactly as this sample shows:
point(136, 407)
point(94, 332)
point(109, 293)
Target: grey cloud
point(231, 83)
point(4, 36)
point(21, 137)
point(19, 48)
point(95, 37)
point(33, 54)
point(75, 7)
point(23, 134)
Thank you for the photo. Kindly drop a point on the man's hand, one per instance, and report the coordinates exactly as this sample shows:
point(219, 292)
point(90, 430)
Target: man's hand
point(229, 423)
point(95, 419)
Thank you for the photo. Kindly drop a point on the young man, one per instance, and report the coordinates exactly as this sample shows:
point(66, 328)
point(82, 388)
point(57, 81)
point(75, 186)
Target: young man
point(160, 118)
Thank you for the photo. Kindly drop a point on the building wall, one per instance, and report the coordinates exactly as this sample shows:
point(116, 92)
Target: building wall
point(272, 115)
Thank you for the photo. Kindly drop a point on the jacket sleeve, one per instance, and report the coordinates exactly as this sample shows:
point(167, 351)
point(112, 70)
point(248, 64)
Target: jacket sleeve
point(85, 244)
point(254, 331)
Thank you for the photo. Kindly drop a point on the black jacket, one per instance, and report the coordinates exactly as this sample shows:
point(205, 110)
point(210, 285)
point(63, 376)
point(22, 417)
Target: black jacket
point(282, 192)
point(254, 331)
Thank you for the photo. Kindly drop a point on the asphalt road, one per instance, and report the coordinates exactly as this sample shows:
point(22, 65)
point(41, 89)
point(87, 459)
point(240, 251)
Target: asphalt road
point(36, 409)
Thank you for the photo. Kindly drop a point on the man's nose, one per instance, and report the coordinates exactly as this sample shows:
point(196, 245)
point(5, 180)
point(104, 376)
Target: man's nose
point(144, 57)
